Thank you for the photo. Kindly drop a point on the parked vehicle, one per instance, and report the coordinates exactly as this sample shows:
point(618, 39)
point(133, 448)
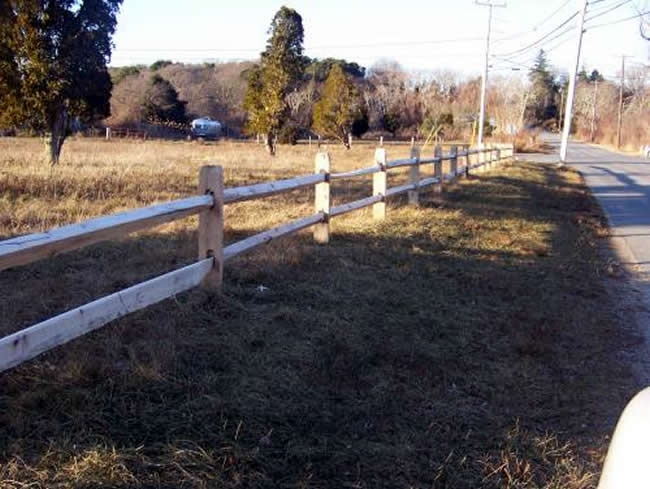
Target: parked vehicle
point(205, 128)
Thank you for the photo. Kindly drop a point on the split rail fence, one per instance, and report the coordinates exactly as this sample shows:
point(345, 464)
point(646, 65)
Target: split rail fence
point(25, 344)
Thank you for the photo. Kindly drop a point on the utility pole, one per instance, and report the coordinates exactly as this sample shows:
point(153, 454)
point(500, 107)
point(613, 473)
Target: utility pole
point(561, 105)
point(593, 111)
point(481, 119)
point(620, 104)
point(572, 86)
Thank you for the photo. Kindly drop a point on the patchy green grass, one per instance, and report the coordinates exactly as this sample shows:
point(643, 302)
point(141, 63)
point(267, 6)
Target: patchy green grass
point(458, 346)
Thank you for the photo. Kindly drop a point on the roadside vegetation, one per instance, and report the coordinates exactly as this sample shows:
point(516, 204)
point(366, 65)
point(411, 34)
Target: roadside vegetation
point(462, 345)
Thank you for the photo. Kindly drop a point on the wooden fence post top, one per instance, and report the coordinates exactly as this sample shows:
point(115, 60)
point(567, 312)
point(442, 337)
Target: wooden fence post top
point(415, 152)
point(323, 162)
point(380, 157)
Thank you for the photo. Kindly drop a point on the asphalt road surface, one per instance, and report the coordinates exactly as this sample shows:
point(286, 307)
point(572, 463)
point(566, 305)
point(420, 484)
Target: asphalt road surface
point(621, 183)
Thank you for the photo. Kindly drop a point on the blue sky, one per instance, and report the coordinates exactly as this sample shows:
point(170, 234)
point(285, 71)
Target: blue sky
point(421, 35)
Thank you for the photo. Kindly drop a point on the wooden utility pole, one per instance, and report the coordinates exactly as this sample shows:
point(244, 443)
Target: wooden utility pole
point(490, 4)
point(571, 91)
point(561, 106)
point(593, 111)
point(620, 104)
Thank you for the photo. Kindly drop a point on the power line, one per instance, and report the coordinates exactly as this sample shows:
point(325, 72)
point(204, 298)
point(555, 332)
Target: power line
point(544, 45)
point(536, 26)
point(334, 46)
point(529, 62)
point(620, 20)
point(598, 8)
point(554, 12)
point(545, 36)
point(611, 9)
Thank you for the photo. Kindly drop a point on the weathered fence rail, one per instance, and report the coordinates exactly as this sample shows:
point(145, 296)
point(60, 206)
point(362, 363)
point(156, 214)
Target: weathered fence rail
point(32, 247)
point(208, 270)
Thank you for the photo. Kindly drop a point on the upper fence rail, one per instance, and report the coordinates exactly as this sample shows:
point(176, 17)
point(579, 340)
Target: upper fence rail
point(208, 270)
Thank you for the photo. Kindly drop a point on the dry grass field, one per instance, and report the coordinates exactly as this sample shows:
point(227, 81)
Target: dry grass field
point(464, 345)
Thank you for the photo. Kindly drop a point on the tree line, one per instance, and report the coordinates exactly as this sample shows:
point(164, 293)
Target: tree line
point(54, 78)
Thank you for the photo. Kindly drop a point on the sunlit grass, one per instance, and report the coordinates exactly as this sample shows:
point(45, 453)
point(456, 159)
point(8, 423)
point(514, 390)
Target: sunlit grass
point(463, 345)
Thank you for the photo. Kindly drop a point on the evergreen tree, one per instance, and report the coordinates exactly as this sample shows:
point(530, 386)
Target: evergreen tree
point(338, 108)
point(161, 63)
point(390, 121)
point(281, 67)
point(319, 69)
point(541, 102)
point(596, 76)
point(160, 103)
point(53, 57)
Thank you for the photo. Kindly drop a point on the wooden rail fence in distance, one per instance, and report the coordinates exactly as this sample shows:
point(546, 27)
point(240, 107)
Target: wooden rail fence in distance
point(207, 271)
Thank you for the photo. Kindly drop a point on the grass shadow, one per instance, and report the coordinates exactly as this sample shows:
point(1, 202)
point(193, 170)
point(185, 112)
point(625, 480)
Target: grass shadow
point(461, 345)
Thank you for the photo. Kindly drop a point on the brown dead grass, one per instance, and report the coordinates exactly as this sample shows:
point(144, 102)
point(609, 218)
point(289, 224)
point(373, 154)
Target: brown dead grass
point(458, 346)
point(530, 141)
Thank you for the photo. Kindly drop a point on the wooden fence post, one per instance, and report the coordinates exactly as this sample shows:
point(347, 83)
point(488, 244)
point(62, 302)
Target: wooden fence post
point(414, 176)
point(379, 184)
point(437, 172)
point(349, 140)
point(211, 225)
point(453, 153)
point(108, 134)
point(381, 141)
point(510, 155)
point(322, 199)
point(467, 160)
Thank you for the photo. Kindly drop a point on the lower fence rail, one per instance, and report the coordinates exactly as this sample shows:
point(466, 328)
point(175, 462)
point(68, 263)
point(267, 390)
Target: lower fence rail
point(26, 344)
point(265, 237)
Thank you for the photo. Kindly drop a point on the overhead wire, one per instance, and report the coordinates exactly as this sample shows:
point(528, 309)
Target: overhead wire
point(554, 12)
point(626, 19)
point(605, 12)
point(544, 37)
point(333, 46)
point(544, 41)
point(534, 27)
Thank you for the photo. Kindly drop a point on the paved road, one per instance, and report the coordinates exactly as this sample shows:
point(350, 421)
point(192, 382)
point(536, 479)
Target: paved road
point(621, 183)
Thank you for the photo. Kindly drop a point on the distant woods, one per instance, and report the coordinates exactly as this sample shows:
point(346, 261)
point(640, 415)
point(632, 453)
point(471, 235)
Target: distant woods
point(285, 95)
point(332, 98)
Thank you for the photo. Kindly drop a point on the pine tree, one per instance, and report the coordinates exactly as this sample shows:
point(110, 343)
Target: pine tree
point(338, 108)
point(541, 102)
point(281, 67)
point(160, 103)
point(53, 58)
